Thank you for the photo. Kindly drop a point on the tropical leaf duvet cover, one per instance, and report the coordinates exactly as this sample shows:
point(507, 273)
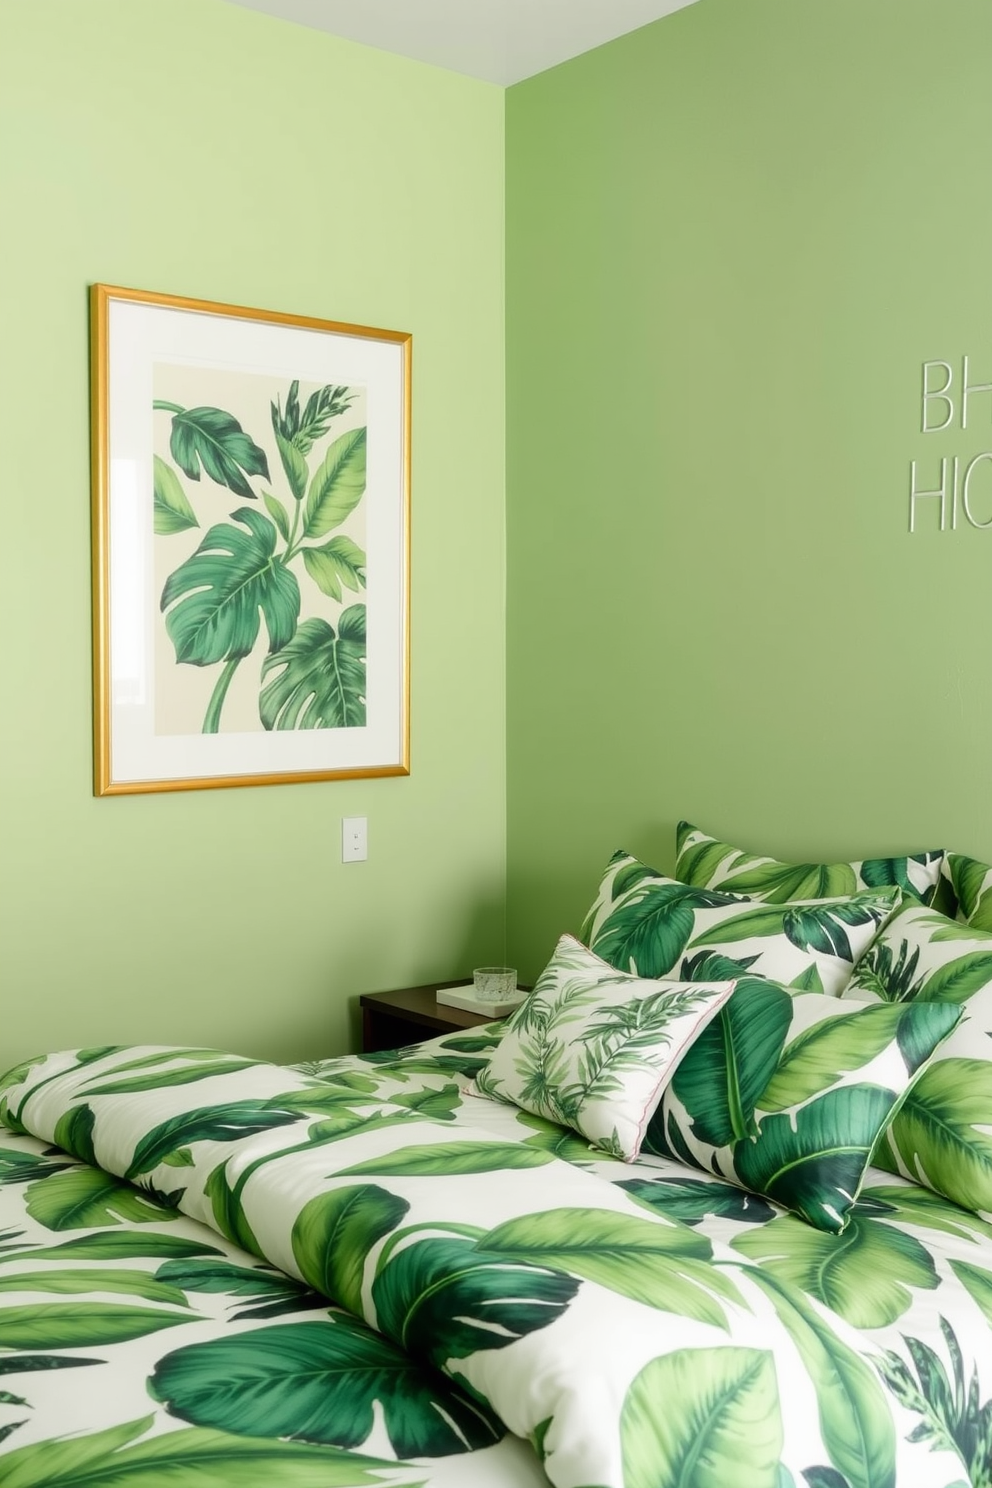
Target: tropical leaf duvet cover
point(216, 1272)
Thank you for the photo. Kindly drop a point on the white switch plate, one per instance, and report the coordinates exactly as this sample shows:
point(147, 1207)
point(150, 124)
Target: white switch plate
point(354, 839)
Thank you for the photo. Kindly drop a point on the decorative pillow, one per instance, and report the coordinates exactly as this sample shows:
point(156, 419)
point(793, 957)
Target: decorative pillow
point(653, 926)
point(593, 1048)
point(711, 864)
point(942, 1136)
point(972, 885)
point(787, 1094)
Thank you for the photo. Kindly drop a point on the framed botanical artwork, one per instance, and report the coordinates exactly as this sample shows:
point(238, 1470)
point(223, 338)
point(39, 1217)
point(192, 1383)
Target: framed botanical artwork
point(251, 511)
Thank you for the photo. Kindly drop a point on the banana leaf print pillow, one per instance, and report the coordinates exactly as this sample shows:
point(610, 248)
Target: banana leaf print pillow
point(592, 1048)
point(654, 926)
point(971, 881)
point(942, 1136)
point(711, 864)
point(787, 1094)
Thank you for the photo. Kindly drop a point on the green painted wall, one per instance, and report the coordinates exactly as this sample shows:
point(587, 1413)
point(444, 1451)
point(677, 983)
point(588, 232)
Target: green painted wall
point(201, 149)
point(733, 238)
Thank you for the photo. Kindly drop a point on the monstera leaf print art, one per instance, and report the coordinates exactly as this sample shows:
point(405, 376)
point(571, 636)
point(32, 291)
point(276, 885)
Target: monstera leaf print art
point(267, 586)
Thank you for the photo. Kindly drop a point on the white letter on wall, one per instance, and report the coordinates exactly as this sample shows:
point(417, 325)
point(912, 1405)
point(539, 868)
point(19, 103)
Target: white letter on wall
point(964, 490)
point(915, 495)
point(941, 393)
point(966, 391)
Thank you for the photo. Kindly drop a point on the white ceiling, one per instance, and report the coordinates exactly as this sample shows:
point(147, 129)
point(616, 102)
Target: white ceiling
point(500, 41)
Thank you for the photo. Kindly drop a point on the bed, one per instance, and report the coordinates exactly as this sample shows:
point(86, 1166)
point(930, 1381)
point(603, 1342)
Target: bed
point(400, 1269)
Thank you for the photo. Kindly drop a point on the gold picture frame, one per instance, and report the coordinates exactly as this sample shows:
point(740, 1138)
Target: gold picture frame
point(251, 545)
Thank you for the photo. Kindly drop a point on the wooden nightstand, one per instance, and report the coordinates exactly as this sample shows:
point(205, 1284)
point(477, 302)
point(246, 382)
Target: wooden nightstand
point(409, 1014)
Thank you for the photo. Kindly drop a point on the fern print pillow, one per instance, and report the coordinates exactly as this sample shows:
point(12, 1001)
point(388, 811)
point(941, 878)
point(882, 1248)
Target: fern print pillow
point(652, 926)
point(942, 1136)
point(592, 1048)
point(711, 864)
point(971, 881)
point(787, 1094)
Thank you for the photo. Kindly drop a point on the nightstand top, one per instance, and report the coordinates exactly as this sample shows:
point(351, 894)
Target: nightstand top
point(420, 1005)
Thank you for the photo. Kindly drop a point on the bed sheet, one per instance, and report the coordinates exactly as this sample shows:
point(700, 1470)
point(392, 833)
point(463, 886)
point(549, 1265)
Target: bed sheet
point(189, 1355)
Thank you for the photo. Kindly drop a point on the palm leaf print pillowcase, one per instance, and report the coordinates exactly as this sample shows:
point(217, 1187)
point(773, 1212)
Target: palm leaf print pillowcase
point(592, 1048)
point(942, 1136)
point(652, 926)
point(711, 864)
point(972, 884)
point(787, 1094)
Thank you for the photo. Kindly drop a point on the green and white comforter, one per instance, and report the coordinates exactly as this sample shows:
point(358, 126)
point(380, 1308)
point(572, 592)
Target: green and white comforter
point(510, 1308)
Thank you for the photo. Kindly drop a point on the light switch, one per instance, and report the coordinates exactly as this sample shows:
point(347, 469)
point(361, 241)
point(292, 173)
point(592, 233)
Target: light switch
point(354, 839)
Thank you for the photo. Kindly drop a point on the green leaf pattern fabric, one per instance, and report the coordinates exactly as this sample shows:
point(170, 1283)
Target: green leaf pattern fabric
point(653, 926)
point(709, 863)
point(942, 1135)
point(787, 1095)
point(562, 1299)
point(593, 1048)
point(971, 881)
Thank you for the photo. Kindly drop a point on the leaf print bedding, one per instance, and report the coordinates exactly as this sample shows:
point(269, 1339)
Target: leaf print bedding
point(356, 1272)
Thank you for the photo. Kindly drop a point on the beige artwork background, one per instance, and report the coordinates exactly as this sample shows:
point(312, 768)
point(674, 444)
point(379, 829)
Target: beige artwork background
point(181, 691)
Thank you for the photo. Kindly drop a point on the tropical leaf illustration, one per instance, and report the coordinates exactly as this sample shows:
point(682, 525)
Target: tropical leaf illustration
point(303, 428)
point(41, 1363)
point(212, 1459)
point(692, 1200)
point(972, 883)
point(215, 439)
point(890, 976)
point(942, 1129)
point(271, 1292)
point(435, 1105)
point(816, 1057)
point(117, 1245)
point(228, 1215)
point(816, 927)
point(215, 600)
point(443, 1159)
point(220, 1123)
point(74, 1133)
point(957, 980)
point(172, 511)
point(721, 1422)
point(317, 680)
point(907, 1204)
point(218, 592)
point(855, 1421)
point(648, 931)
point(67, 1283)
point(338, 563)
point(951, 1408)
point(26, 1167)
point(59, 1325)
point(189, 1066)
point(805, 1156)
point(334, 1233)
point(88, 1198)
point(866, 1277)
point(978, 1282)
point(663, 1266)
point(922, 1026)
point(555, 1139)
point(778, 883)
point(337, 486)
point(319, 1382)
point(731, 1062)
point(700, 862)
point(444, 1298)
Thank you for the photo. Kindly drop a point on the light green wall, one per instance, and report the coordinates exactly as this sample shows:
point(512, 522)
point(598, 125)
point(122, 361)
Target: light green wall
point(197, 148)
point(732, 240)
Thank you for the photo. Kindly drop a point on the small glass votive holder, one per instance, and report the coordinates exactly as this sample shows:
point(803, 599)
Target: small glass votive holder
point(495, 983)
